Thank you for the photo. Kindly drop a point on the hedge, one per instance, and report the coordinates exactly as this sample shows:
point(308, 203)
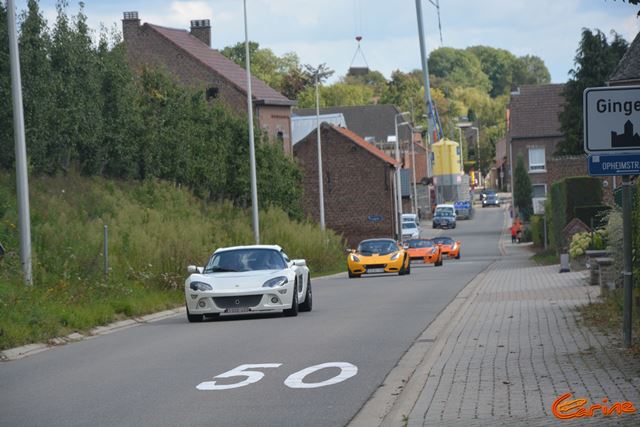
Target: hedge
point(596, 213)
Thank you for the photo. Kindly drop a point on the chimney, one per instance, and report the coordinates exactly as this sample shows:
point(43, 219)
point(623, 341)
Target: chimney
point(201, 29)
point(130, 25)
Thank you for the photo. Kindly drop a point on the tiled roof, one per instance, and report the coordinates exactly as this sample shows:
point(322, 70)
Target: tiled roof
point(362, 143)
point(222, 65)
point(629, 66)
point(365, 120)
point(534, 112)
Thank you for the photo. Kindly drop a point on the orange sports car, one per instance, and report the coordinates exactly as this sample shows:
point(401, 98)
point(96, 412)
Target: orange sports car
point(425, 250)
point(448, 246)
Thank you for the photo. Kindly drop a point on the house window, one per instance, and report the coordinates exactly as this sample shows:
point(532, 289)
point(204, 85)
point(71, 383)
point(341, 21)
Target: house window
point(536, 159)
point(280, 136)
point(539, 190)
point(212, 93)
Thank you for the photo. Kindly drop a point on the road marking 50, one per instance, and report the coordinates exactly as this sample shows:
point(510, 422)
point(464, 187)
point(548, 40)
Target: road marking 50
point(295, 380)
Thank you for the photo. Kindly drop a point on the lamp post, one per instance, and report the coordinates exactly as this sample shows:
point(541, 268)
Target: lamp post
point(252, 149)
point(319, 73)
point(22, 183)
point(478, 155)
point(398, 175)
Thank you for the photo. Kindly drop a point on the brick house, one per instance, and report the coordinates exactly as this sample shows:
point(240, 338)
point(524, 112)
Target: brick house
point(358, 183)
point(188, 56)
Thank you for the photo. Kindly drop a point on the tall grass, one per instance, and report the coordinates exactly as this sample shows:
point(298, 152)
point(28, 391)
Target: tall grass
point(155, 231)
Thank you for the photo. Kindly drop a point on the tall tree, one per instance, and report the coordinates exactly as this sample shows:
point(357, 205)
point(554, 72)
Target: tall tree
point(522, 190)
point(35, 47)
point(459, 67)
point(530, 70)
point(6, 110)
point(595, 59)
point(498, 64)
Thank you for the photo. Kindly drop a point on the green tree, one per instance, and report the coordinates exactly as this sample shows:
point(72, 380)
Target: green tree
point(498, 65)
point(459, 67)
point(37, 92)
point(522, 190)
point(595, 59)
point(530, 70)
point(6, 110)
point(337, 94)
point(372, 78)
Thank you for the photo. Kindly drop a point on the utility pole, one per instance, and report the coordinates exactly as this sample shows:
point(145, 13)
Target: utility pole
point(252, 149)
point(427, 95)
point(22, 181)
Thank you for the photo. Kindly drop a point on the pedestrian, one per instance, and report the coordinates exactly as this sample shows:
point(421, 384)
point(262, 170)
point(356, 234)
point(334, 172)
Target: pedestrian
point(514, 233)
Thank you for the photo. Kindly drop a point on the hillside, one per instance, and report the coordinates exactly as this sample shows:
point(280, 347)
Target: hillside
point(155, 231)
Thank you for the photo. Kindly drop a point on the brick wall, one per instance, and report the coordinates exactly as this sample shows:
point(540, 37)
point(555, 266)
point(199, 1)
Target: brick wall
point(146, 47)
point(356, 183)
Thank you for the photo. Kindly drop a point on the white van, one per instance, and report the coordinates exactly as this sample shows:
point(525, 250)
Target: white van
point(410, 218)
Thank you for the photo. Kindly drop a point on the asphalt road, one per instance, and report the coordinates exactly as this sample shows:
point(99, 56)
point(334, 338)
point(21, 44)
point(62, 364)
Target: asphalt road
point(148, 375)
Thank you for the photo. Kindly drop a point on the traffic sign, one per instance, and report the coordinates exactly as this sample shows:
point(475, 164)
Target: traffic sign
point(617, 164)
point(612, 119)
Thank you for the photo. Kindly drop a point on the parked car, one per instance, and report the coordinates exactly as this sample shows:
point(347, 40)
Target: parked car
point(491, 200)
point(410, 230)
point(487, 192)
point(409, 217)
point(378, 256)
point(424, 250)
point(444, 219)
point(248, 279)
point(448, 246)
point(445, 207)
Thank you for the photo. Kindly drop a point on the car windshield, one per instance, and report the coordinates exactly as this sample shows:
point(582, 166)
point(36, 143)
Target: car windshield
point(443, 213)
point(443, 240)
point(382, 247)
point(421, 243)
point(245, 260)
point(409, 225)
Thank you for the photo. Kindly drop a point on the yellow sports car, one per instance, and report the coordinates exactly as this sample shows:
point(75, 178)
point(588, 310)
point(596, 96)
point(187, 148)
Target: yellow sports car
point(378, 256)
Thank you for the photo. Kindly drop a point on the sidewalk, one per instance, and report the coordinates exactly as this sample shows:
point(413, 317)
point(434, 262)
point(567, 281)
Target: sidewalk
point(513, 348)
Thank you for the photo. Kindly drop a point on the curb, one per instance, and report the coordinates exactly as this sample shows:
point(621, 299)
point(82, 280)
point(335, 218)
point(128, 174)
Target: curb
point(31, 349)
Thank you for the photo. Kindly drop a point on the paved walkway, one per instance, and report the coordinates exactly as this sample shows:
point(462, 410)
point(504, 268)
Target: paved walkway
point(516, 347)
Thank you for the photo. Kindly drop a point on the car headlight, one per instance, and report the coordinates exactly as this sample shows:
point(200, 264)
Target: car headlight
point(275, 282)
point(354, 258)
point(200, 286)
point(395, 256)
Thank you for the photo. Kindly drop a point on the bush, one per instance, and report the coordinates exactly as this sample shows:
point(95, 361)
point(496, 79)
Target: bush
point(581, 242)
point(537, 230)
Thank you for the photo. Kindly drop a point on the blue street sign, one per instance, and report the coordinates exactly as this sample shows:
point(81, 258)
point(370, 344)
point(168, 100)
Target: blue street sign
point(614, 164)
point(374, 218)
point(462, 205)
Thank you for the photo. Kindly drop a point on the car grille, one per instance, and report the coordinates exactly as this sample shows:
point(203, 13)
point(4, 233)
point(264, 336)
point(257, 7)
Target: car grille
point(237, 302)
point(376, 266)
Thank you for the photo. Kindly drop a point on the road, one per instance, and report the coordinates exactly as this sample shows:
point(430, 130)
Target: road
point(147, 375)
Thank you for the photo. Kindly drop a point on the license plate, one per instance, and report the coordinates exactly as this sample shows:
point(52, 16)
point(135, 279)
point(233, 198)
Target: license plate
point(375, 270)
point(237, 310)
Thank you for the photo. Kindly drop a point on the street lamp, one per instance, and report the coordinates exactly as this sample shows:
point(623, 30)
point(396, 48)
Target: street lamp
point(319, 73)
point(478, 155)
point(461, 125)
point(252, 150)
point(398, 176)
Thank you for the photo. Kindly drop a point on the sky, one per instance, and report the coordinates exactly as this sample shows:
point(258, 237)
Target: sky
point(324, 31)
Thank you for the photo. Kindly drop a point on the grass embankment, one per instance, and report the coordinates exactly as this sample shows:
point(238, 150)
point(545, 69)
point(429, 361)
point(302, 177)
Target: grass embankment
point(548, 257)
point(155, 231)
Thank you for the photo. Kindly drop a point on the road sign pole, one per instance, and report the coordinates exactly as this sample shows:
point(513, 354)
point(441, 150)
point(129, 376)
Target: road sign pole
point(627, 269)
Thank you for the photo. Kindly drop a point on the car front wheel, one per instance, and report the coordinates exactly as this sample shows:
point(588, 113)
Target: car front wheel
point(307, 305)
point(193, 318)
point(293, 311)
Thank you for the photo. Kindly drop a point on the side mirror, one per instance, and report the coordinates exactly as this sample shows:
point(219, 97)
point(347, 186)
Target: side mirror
point(348, 250)
point(299, 262)
point(192, 269)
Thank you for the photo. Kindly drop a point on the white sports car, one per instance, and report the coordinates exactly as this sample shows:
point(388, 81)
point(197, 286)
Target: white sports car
point(248, 279)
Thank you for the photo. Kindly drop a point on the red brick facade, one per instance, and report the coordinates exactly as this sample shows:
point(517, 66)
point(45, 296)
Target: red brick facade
point(151, 45)
point(358, 184)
